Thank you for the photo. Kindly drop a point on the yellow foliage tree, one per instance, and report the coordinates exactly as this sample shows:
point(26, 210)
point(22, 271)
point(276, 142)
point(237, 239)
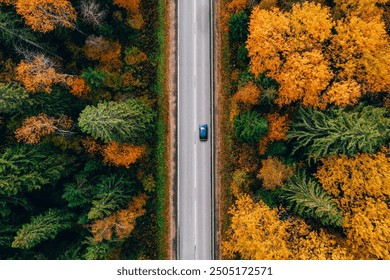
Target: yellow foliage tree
point(256, 232)
point(352, 180)
point(361, 50)
point(273, 173)
point(343, 93)
point(133, 7)
point(46, 15)
point(361, 186)
point(247, 95)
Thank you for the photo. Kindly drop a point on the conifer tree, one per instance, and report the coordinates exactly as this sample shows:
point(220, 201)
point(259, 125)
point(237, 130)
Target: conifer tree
point(307, 198)
point(249, 127)
point(129, 121)
point(340, 131)
point(42, 227)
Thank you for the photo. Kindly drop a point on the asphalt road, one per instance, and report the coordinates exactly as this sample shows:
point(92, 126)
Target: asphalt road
point(194, 229)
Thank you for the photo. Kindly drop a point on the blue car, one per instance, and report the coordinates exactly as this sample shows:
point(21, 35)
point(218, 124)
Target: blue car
point(203, 132)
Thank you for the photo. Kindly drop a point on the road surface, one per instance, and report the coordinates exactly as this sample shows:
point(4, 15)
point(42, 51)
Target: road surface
point(194, 230)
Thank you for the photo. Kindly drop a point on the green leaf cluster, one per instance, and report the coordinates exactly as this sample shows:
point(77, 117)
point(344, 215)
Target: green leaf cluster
point(250, 127)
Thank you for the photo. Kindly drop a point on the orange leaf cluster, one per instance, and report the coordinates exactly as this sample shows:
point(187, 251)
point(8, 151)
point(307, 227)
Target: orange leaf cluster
point(40, 75)
point(122, 154)
point(273, 173)
point(34, 128)
point(133, 7)
point(46, 15)
point(106, 51)
point(343, 93)
point(277, 128)
point(121, 223)
point(247, 95)
point(91, 146)
point(78, 86)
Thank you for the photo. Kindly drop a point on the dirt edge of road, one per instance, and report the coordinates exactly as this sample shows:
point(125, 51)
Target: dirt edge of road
point(170, 90)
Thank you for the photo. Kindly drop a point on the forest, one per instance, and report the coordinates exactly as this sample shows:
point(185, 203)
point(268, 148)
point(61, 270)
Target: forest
point(78, 115)
point(307, 102)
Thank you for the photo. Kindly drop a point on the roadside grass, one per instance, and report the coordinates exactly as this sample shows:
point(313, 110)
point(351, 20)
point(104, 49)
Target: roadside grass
point(161, 181)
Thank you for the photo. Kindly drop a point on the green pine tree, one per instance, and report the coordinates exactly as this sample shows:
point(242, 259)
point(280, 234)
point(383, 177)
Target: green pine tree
point(307, 198)
point(12, 98)
point(28, 168)
point(130, 121)
point(42, 227)
point(113, 193)
point(249, 127)
point(340, 131)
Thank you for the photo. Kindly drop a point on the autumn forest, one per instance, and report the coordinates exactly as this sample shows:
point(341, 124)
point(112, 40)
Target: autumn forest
point(304, 106)
point(78, 110)
point(307, 114)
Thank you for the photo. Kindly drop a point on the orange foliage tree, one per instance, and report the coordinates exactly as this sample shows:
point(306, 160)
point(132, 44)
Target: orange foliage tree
point(34, 128)
point(106, 51)
point(122, 154)
point(361, 185)
point(247, 95)
point(273, 173)
point(278, 126)
point(133, 7)
point(40, 75)
point(121, 223)
point(343, 93)
point(256, 232)
point(46, 15)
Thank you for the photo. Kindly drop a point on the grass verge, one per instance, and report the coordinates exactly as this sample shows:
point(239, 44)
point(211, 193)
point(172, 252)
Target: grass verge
point(161, 182)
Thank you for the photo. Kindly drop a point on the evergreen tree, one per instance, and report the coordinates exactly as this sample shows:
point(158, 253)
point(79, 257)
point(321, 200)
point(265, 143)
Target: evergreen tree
point(238, 27)
point(249, 127)
point(340, 131)
point(28, 168)
point(129, 121)
point(97, 250)
point(307, 198)
point(42, 227)
point(12, 98)
point(112, 194)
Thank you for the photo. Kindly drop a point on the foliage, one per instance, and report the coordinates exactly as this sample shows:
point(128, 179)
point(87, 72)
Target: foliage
point(256, 232)
point(28, 168)
point(120, 223)
point(129, 121)
point(111, 195)
point(42, 227)
point(46, 15)
point(339, 131)
point(353, 179)
point(249, 127)
point(273, 173)
point(122, 154)
point(247, 95)
point(238, 27)
point(12, 97)
point(307, 198)
point(38, 126)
